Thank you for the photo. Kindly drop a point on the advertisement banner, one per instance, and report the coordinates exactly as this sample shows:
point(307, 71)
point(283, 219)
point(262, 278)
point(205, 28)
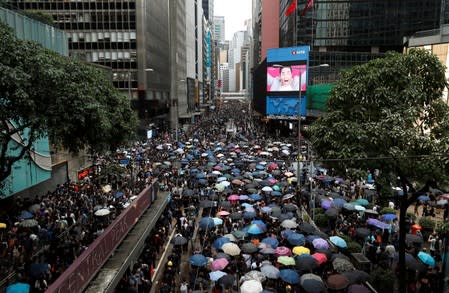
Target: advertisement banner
point(287, 71)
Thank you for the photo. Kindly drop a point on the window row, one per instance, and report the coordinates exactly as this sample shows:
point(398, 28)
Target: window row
point(102, 36)
point(97, 26)
point(65, 5)
point(102, 45)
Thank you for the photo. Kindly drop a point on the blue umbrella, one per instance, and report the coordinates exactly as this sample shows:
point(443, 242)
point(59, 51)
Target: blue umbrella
point(276, 193)
point(249, 215)
point(338, 241)
point(36, 269)
point(426, 258)
point(362, 202)
point(259, 167)
point(235, 170)
point(290, 276)
point(202, 181)
point(287, 232)
point(214, 276)
point(207, 223)
point(200, 175)
point(296, 239)
point(218, 243)
point(377, 223)
point(26, 215)
point(260, 223)
point(339, 202)
point(326, 204)
point(198, 260)
point(118, 194)
point(18, 288)
point(255, 196)
point(273, 242)
point(423, 198)
point(255, 229)
point(389, 217)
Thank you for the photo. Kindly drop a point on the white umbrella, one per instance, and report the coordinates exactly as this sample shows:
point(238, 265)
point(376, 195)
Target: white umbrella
point(231, 237)
point(251, 286)
point(160, 147)
point(270, 271)
point(106, 188)
point(179, 151)
point(102, 212)
point(231, 248)
point(225, 183)
point(267, 189)
point(289, 224)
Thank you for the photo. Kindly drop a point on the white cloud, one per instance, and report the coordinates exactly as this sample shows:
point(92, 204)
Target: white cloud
point(235, 13)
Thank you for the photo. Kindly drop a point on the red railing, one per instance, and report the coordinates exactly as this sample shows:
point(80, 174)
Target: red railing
point(86, 266)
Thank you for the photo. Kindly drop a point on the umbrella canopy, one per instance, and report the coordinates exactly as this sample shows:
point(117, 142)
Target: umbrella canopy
point(236, 216)
point(227, 281)
point(296, 239)
point(320, 243)
point(198, 260)
point(338, 241)
point(273, 242)
point(239, 234)
point(357, 276)
point(218, 243)
point(388, 217)
point(179, 240)
point(362, 202)
point(28, 223)
point(231, 248)
point(426, 258)
point(26, 215)
point(413, 238)
point(214, 276)
point(253, 275)
point(219, 264)
point(206, 223)
point(251, 286)
point(286, 260)
point(18, 288)
point(342, 265)
point(2, 226)
point(249, 248)
point(337, 282)
point(320, 257)
point(222, 255)
point(307, 228)
point(289, 224)
point(223, 213)
point(358, 289)
point(306, 262)
point(36, 269)
point(299, 250)
point(289, 276)
point(270, 271)
point(377, 223)
point(423, 198)
point(311, 283)
point(283, 251)
point(362, 232)
point(102, 212)
point(255, 229)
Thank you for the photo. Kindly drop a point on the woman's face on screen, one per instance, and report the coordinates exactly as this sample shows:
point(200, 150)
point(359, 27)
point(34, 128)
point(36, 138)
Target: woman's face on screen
point(286, 76)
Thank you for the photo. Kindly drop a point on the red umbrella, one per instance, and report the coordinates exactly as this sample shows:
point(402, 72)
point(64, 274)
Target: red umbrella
point(320, 257)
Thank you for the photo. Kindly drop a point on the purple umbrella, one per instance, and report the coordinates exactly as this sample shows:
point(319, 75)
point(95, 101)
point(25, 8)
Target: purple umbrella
point(326, 204)
point(377, 223)
point(320, 243)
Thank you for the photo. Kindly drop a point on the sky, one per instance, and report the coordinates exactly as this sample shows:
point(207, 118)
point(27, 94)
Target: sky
point(235, 13)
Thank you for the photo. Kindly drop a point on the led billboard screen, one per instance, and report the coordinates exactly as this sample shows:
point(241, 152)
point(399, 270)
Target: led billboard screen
point(286, 75)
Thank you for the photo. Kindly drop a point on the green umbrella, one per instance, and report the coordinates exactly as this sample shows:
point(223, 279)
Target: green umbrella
point(239, 234)
point(276, 188)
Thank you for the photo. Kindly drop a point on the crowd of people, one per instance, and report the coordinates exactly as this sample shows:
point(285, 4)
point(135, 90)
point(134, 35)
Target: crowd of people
point(239, 191)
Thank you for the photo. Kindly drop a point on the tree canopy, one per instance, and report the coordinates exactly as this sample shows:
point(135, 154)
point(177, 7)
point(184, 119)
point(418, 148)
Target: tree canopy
point(43, 93)
point(389, 114)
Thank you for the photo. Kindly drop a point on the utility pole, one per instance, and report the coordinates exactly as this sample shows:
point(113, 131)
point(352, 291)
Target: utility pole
point(173, 73)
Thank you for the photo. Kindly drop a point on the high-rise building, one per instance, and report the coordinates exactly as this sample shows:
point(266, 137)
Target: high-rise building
point(219, 28)
point(208, 9)
point(130, 37)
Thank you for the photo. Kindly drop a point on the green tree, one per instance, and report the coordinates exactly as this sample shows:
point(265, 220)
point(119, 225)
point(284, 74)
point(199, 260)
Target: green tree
point(43, 93)
point(388, 114)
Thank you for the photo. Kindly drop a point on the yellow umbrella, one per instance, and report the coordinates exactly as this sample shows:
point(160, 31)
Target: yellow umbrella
point(298, 250)
point(286, 260)
point(2, 226)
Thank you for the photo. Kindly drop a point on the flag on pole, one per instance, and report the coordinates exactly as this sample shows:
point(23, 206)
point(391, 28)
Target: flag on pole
point(291, 8)
point(308, 5)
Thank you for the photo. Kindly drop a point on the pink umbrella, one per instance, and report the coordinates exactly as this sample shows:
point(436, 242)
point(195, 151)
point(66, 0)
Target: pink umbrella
point(272, 180)
point(234, 197)
point(272, 166)
point(217, 167)
point(219, 264)
point(283, 251)
point(223, 213)
point(320, 257)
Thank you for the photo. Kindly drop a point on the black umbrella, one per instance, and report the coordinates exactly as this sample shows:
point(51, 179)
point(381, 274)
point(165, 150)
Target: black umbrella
point(226, 281)
point(331, 213)
point(306, 262)
point(226, 204)
point(338, 255)
point(179, 240)
point(357, 276)
point(412, 238)
point(249, 248)
point(362, 232)
point(307, 228)
point(235, 216)
point(187, 192)
point(290, 207)
point(222, 255)
point(207, 203)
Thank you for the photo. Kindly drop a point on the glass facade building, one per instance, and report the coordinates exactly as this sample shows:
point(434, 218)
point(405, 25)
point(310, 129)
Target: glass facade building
point(344, 33)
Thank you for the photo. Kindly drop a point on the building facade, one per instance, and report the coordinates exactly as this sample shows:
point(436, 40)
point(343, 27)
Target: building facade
point(219, 28)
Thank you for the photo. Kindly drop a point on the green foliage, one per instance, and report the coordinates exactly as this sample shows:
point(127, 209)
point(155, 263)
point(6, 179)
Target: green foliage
point(113, 169)
point(387, 211)
point(40, 16)
point(45, 93)
point(321, 220)
point(427, 223)
point(411, 216)
point(318, 211)
point(390, 109)
point(354, 247)
point(306, 218)
point(443, 228)
point(383, 280)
